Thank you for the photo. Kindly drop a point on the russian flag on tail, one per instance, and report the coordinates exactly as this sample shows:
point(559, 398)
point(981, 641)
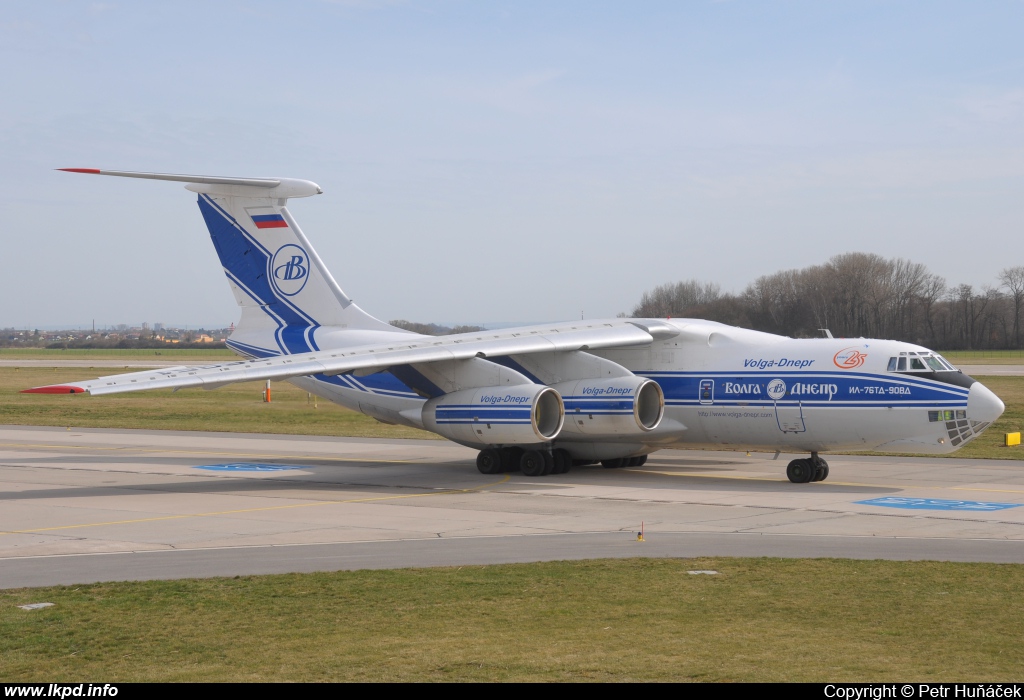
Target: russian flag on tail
point(269, 221)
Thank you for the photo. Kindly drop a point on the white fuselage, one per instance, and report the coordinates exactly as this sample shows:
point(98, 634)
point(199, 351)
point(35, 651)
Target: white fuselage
point(726, 386)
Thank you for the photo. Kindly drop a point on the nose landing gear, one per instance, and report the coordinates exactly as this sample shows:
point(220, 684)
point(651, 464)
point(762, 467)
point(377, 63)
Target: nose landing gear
point(802, 471)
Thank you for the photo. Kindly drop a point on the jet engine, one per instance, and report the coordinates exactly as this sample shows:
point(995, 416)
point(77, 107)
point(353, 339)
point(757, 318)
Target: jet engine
point(617, 406)
point(517, 415)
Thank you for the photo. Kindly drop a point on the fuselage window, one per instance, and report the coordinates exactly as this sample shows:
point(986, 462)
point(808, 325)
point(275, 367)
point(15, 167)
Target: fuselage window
point(902, 365)
point(892, 365)
point(916, 364)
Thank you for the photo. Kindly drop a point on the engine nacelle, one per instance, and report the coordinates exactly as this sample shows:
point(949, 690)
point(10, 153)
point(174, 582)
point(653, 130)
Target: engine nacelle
point(516, 415)
point(616, 406)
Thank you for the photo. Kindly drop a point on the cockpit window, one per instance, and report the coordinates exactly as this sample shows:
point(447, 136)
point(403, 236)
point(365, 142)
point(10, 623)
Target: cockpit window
point(919, 362)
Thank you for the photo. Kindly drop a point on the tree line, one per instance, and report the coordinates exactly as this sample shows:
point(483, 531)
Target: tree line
point(858, 295)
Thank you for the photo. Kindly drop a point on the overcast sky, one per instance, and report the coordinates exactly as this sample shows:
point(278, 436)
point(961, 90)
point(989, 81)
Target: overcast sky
point(504, 161)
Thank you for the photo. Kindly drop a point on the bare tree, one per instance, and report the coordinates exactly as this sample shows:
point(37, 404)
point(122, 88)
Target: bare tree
point(1013, 279)
point(858, 294)
point(675, 299)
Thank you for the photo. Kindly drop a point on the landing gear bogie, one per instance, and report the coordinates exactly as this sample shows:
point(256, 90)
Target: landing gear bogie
point(803, 471)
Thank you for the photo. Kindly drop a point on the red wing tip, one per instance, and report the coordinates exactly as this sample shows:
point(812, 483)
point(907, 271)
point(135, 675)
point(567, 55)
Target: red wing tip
point(55, 389)
point(91, 171)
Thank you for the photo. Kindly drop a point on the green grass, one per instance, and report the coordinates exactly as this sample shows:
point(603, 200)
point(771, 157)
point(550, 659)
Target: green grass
point(984, 357)
point(186, 355)
point(234, 408)
point(607, 620)
point(240, 408)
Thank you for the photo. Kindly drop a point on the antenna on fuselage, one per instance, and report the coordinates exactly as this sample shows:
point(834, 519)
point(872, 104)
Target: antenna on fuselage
point(826, 331)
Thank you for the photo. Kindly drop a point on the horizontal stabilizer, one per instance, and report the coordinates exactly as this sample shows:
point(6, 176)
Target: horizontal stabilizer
point(285, 187)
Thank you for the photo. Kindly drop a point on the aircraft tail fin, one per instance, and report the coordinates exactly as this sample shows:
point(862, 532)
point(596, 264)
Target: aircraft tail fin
point(287, 296)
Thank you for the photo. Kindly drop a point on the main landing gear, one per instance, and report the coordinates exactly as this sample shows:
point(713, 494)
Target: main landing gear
point(531, 462)
point(495, 460)
point(802, 471)
point(624, 462)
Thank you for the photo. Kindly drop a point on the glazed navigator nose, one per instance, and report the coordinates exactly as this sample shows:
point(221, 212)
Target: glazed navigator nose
point(983, 405)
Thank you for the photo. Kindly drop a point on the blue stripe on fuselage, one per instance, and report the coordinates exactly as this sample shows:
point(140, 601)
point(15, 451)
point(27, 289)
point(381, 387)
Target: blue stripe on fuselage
point(815, 388)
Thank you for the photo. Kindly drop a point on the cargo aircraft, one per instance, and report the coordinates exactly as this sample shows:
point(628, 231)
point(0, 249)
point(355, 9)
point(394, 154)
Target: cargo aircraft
point(544, 398)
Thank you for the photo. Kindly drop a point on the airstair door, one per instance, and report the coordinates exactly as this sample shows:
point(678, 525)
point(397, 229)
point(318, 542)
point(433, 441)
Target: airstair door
point(790, 417)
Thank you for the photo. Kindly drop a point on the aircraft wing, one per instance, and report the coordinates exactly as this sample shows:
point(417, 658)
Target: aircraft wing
point(403, 350)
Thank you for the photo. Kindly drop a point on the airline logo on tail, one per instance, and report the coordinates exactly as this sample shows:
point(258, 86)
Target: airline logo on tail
point(289, 269)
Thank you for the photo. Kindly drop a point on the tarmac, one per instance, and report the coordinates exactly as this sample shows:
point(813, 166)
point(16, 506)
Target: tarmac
point(88, 505)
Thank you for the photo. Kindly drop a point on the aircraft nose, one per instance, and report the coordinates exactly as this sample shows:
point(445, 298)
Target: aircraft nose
point(982, 404)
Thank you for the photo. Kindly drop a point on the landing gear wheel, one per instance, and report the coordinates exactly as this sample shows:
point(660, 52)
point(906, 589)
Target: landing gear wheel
point(801, 471)
point(510, 457)
point(821, 472)
point(489, 461)
point(549, 463)
point(613, 463)
point(641, 461)
point(563, 461)
point(532, 463)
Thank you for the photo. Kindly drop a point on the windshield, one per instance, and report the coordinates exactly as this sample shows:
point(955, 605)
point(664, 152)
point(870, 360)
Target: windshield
point(919, 362)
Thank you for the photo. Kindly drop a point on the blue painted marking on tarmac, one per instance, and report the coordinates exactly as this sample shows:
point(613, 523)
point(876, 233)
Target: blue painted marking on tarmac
point(248, 467)
point(936, 504)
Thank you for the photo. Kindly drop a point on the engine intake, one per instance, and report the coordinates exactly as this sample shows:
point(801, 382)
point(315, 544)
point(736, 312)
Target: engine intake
point(518, 415)
point(618, 406)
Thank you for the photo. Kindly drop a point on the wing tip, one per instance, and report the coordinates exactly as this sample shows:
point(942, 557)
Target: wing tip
point(54, 389)
point(90, 171)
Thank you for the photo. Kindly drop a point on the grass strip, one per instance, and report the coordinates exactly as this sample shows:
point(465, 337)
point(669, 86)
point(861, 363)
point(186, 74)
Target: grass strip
point(240, 408)
point(186, 355)
point(602, 620)
point(236, 408)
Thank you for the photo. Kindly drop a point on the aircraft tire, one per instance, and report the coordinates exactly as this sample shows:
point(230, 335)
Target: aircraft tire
point(489, 461)
point(563, 462)
point(532, 463)
point(641, 461)
point(549, 463)
point(821, 473)
point(801, 471)
point(613, 463)
point(510, 457)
